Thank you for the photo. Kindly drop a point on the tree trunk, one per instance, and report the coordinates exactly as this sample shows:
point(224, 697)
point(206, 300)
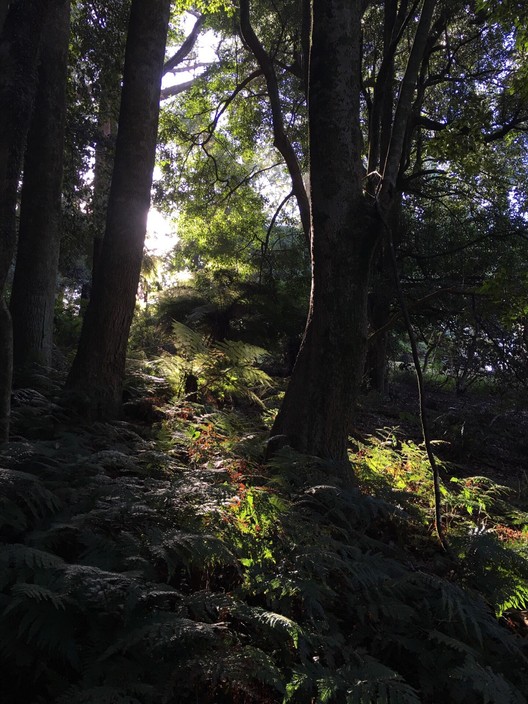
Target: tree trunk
point(19, 45)
point(348, 216)
point(96, 377)
point(316, 412)
point(317, 409)
point(35, 279)
point(4, 7)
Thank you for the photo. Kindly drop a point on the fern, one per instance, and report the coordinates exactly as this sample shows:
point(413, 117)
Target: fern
point(492, 687)
point(162, 634)
point(500, 571)
point(100, 695)
point(23, 498)
point(224, 369)
point(18, 556)
point(134, 575)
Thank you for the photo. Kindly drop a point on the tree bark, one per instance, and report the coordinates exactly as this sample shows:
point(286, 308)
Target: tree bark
point(35, 279)
point(19, 45)
point(316, 412)
point(96, 377)
point(348, 217)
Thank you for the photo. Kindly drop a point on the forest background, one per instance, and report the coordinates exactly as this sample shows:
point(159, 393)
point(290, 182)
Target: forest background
point(346, 189)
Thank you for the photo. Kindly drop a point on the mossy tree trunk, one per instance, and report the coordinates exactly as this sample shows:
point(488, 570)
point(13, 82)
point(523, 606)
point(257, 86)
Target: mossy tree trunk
point(35, 279)
point(96, 377)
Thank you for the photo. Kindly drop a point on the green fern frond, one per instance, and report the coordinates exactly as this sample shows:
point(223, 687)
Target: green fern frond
point(368, 681)
point(243, 668)
point(188, 342)
point(180, 549)
point(23, 492)
point(38, 618)
point(273, 622)
point(162, 632)
point(453, 643)
point(500, 571)
point(241, 353)
point(17, 556)
point(492, 687)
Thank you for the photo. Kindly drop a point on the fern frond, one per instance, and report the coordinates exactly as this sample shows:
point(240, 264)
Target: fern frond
point(241, 353)
point(98, 695)
point(23, 491)
point(22, 592)
point(17, 556)
point(244, 668)
point(39, 618)
point(188, 342)
point(180, 549)
point(162, 632)
point(492, 687)
point(499, 571)
point(275, 623)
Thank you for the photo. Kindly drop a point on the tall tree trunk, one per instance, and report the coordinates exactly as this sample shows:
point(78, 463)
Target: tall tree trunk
point(96, 377)
point(316, 412)
point(19, 45)
point(35, 279)
point(349, 215)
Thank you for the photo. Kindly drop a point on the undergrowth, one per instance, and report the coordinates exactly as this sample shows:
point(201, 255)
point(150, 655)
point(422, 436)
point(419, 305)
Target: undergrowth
point(182, 570)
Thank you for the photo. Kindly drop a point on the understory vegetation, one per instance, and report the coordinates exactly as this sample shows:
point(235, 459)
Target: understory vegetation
point(167, 563)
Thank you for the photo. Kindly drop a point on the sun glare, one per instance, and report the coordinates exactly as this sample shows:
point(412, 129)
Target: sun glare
point(161, 233)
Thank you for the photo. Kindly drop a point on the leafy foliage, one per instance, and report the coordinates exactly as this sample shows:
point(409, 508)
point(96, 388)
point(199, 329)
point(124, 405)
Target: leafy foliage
point(225, 369)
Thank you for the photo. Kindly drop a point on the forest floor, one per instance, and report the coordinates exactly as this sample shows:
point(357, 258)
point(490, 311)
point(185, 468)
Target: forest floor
point(279, 586)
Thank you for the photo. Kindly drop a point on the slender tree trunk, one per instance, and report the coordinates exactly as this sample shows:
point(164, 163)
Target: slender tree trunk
point(316, 412)
point(96, 377)
point(35, 279)
point(19, 45)
point(380, 300)
point(280, 138)
point(382, 294)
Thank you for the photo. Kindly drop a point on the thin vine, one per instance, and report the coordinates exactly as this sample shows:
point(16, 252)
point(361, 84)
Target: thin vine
point(421, 391)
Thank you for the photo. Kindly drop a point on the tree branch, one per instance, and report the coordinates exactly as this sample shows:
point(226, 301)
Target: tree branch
point(405, 103)
point(280, 138)
point(186, 47)
point(177, 89)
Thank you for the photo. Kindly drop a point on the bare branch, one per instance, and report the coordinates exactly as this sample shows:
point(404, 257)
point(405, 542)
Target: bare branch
point(280, 138)
point(177, 89)
point(186, 47)
point(405, 101)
